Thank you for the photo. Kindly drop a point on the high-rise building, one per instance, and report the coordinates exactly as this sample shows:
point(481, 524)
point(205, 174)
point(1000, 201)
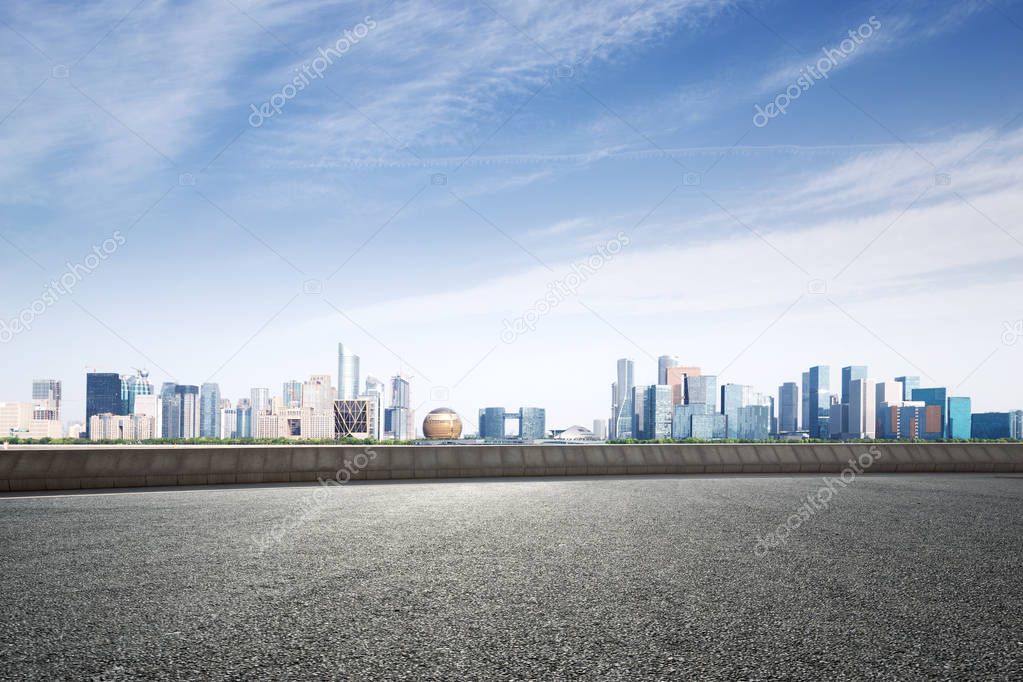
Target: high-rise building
point(861, 413)
point(354, 418)
point(228, 422)
point(318, 393)
point(243, 415)
point(375, 391)
point(181, 410)
point(788, 407)
point(260, 400)
point(711, 426)
point(753, 421)
point(102, 395)
point(885, 392)
point(838, 414)
point(638, 403)
point(622, 408)
point(1017, 424)
point(908, 384)
point(804, 415)
point(702, 389)
point(347, 374)
point(653, 412)
point(16, 421)
point(133, 385)
point(995, 425)
point(532, 423)
point(291, 393)
point(935, 400)
point(743, 423)
point(600, 429)
point(663, 364)
point(46, 399)
point(209, 411)
point(676, 378)
point(960, 420)
point(903, 420)
point(682, 419)
point(151, 405)
point(850, 374)
point(121, 427)
point(819, 405)
point(491, 423)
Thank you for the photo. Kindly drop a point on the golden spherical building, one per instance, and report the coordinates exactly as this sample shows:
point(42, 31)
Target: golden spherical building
point(442, 424)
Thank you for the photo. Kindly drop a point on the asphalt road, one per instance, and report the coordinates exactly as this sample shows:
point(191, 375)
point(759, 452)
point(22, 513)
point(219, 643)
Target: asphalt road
point(900, 577)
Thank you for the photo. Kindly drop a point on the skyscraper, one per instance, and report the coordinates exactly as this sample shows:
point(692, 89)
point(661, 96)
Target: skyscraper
point(260, 399)
point(347, 374)
point(886, 392)
point(181, 410)
point(960, 418)
point(862, 409)
point(638, 405)
point(133, 385)
point(663, 364)
point(657, 412)
point(804, 415)
point(102, 395)
point(600, 429)
point(46, 399)
point(532, 423)
point(850, 374)
point(935, 426)
point(209, 411)
point(908, 384)
point(291, 392)
point(702, 389)
point(621, 400)
point(375, 391)
point(788, 407)
point(676, 378)
point(819, 404)
point(243, 415)
point(491, 423)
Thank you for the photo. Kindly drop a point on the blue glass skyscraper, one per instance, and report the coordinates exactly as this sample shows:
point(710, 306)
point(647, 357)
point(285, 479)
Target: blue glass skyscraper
point(935, 425)
point(102, 395)
point(960, 419)
point(819, 401)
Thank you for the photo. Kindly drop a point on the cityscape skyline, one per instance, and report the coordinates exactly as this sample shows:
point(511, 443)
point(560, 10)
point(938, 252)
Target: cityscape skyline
point(685, 403)
point(590, 214)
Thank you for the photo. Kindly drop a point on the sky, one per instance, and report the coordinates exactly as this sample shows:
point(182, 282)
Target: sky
point(501, 198)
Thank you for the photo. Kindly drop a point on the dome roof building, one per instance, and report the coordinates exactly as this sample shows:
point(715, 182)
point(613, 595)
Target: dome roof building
point(442, 424)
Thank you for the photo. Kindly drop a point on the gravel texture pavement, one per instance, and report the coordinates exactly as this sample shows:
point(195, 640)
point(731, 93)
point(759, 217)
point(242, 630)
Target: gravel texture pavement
point(899, 577)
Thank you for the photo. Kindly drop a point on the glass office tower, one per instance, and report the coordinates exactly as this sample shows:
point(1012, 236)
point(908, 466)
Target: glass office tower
point(102, 396)
point(960, 419)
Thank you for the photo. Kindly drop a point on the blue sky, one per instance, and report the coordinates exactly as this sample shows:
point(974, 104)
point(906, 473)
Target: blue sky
point(458, 158)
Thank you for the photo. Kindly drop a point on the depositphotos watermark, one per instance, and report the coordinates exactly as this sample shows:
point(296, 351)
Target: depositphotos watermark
point(309, 72)
point(1013, 332)
point(62, 286)
point(810, 74)
point(314, 501)
point(560, 289)
point(815, 502)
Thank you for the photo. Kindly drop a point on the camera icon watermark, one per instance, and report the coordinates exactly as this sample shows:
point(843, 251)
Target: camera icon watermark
point(942, 179)
point(440, 394)
point(438, 179)
point(564, 71)
point(186, 180)
point(1013, 332)
point(312, 286)
point(691, 179)
point(60, 71)
point(817, 287)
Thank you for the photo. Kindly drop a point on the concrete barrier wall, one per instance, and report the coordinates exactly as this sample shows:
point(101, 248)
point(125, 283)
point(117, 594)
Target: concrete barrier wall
point(76, 467)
